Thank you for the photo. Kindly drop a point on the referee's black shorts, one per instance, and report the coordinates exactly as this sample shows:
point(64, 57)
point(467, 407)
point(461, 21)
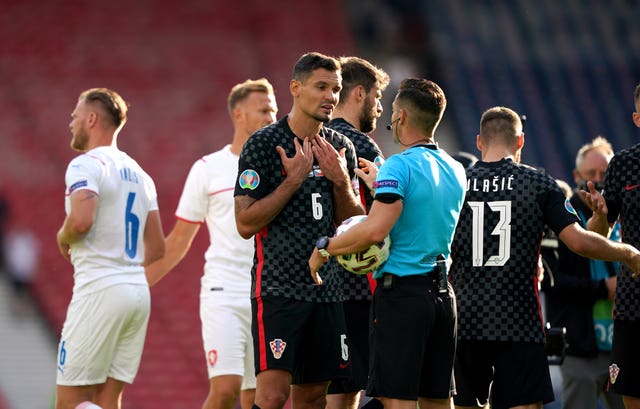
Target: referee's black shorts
point(413, 339)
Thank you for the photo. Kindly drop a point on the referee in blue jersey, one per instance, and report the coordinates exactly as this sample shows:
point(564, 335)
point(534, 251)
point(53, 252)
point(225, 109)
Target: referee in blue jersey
point(418, 197)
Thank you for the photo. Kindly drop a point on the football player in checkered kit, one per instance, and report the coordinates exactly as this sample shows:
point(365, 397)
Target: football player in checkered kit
point(296, 183)
point(494, 269)
point(620, 201)
point(355, 117)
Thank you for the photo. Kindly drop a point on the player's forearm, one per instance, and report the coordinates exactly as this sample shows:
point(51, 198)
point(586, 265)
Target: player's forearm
point(72, 231)
point(597, 247)
point(253, 215)
point(157, 269)
point(598, 223)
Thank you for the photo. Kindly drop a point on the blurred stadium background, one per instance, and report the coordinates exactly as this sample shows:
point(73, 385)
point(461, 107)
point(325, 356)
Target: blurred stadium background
point(569, 65)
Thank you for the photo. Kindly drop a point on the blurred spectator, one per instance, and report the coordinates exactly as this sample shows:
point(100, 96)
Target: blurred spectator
point(581, 298)
point(467, 159)
point(22, 251)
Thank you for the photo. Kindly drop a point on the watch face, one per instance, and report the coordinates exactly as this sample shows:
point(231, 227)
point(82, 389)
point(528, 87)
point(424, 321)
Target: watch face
point(322, 243)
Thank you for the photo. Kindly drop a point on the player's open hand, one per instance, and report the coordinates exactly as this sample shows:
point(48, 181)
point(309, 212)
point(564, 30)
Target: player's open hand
point(594, 200)
point(332, 163)
point(368, 171)
point(298, 167)
point(315, 262)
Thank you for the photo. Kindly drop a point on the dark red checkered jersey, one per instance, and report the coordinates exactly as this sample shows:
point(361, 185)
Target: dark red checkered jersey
point(496, 246)
point(356, 286)
point(622, 193)
point(284, 246)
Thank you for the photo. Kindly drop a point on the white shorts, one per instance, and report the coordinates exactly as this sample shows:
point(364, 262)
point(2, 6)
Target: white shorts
point(226, 336)
point(103, 336)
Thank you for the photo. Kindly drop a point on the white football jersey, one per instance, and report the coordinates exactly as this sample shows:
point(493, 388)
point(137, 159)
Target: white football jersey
point(208, 195)
point(113, 250)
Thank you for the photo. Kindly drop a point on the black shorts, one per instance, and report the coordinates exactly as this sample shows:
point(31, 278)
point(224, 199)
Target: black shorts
point(519, 372)
point(307, 339)
point(625, 355)
point(356, 315)
point(413, 339)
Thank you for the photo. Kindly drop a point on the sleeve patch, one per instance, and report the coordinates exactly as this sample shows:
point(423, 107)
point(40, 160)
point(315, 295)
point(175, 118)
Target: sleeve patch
point(385, 183)
point(249, 179)
point(78, 185)
point(569, 207)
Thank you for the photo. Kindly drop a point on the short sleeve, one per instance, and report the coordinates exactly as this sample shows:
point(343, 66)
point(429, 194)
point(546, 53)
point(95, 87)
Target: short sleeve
point(193, 204)
point(392, 177)
point(254, 164)
point(84, 172)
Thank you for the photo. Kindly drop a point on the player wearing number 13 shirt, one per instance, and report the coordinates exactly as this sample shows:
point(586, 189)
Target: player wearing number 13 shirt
point(494, 268)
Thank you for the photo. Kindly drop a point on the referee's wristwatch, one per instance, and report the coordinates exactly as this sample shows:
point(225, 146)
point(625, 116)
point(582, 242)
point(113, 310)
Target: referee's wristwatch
point(321, 245)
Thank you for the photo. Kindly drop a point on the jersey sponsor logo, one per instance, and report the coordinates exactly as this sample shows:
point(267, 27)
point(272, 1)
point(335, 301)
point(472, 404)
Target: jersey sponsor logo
point(569, 207)
point(378, 161)
point(277, 347)
point(78, 185)
point(613, 373)
point(249, 179)
point(631, 187)
point(212, 357)
point(385, 183)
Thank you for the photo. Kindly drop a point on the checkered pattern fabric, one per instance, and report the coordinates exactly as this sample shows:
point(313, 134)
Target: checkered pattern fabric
point(356, 287)
point(622, 193)
point(284, 246)
point(496, 246)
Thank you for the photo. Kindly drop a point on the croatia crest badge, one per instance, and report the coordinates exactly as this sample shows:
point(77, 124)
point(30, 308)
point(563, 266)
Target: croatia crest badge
point(613, 373)
point(277, 347)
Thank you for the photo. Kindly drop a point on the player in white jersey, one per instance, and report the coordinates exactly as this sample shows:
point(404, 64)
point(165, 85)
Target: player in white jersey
point(112, 229)
point(225, 305)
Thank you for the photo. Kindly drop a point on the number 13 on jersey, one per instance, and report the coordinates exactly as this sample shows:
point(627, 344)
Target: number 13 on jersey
point(502, 230)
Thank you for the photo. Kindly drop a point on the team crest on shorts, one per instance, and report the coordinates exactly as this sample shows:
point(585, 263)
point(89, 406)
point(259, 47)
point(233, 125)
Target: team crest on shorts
point(613, 373)
point(212, 357)
point(277, 347)
point(249, 179)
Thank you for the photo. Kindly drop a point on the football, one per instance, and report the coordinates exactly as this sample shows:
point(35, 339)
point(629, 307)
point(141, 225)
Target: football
point(367, 260)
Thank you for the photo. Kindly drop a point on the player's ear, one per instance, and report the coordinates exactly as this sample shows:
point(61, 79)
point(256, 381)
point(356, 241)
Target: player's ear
point(358, 93)
point(521, 140)
point(479, 143)
point(636, 118)
point(294, 87)
point(92, 119)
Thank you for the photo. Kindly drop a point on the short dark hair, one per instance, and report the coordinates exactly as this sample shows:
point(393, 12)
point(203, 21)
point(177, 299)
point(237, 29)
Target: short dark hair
point(113, 104)
point(241, 91)
point(357, 71)
point(425, 99)
point(500, 124)
point(636, 95)
point(310, 62)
